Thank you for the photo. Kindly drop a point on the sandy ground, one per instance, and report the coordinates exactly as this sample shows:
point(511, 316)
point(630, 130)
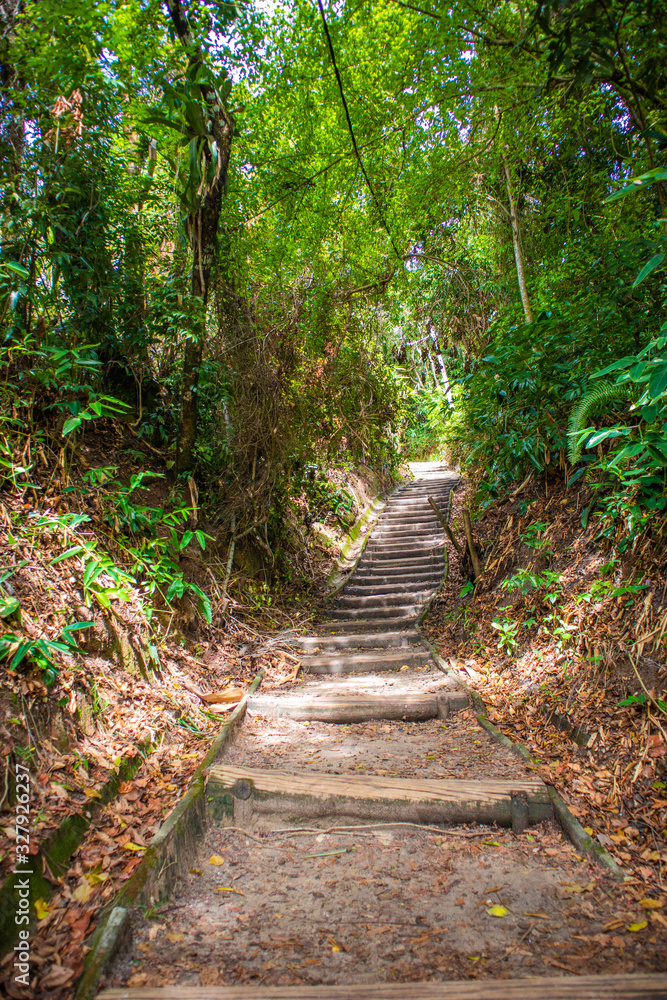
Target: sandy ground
point(394, 904)
point(281, 907)
point(452, 748)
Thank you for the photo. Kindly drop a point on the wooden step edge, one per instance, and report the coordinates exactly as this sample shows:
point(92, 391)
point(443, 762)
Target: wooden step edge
point(641, 986)
point(348, 708)
point(238, 795)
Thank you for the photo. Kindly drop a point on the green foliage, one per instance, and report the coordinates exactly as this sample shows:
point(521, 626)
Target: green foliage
point(340, 326)
point(594, 400)
point(38, 653)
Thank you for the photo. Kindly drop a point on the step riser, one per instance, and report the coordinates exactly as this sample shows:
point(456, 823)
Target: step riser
point(390, 640)
point(387, 555)
point(343, 663)
point(390, 528)
point(397, 537)
point(240, 795)
point(384, 601)
point(397, 520)
point(348, 626)
point(422, 563)
point(371, 614)
point(411, 709)
point(407, 588)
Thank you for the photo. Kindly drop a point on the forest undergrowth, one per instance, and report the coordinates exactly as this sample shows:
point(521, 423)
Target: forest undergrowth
point(113, 684)
point(563, 638)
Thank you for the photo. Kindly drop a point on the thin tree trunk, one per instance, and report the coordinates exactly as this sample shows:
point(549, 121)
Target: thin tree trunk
point(203, 230)
point(518, 252)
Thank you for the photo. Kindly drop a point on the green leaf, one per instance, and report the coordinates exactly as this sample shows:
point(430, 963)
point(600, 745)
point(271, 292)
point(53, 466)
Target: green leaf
point(160, 120)
point(16, 268)
point(70, 425)
point(648, 268)
point(658, 382)
point(9, 606)
point(75, 550)
point(637, 183)
point(607, 433)
point(187, 538)
point(621, 363)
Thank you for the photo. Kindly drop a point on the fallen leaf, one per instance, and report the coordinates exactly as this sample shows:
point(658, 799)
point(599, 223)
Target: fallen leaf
point(58, 975)
point(41, 909)
point(133, 847)
point(226, 888)
point(175, 938)
point(576, 887)
point(651, 904)
point(223, 697)
point(92, 793)
point(335, 946)
point(195, 871)
point(639, 926)
point(138, 979)
point(497, 911)
point(216, 859)
point(83, 892)
point(95, 878)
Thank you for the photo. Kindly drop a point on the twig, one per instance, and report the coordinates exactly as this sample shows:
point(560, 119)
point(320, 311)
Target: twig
point(4, 794)
point(448, 530)
point(471, 545)
point(296, 830)
point(650, 697)
point(239, 829)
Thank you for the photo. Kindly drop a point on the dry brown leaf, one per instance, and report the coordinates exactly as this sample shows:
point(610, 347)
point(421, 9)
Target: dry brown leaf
point(223, 697)
point(58, 975)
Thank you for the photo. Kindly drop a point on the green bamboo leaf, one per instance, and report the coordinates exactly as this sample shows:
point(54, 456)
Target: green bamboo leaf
point(648, 268)
point(16, 268)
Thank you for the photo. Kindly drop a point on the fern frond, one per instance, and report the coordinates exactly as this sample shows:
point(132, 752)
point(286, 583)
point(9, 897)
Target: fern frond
point(601, 395)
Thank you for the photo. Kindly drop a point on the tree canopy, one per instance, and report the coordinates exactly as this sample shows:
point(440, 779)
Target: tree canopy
point(280, 234)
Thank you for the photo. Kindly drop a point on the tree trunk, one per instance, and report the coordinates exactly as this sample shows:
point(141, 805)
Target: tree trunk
point(518, 252)
point(203, 230)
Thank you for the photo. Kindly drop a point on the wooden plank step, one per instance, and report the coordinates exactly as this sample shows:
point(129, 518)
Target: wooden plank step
point(352, 708)
point(237, 794)
point(646, 986)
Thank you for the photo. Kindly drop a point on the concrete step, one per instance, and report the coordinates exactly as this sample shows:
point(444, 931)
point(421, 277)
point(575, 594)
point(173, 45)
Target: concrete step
point(390, 600)
point(413, 574)
point(345, 626)
point(405, 587)
point(367, 662)
point(389, 527)
point(410, 611)
point(359, 640)
point(401, 568)
point(404, 537)
point(397, 552)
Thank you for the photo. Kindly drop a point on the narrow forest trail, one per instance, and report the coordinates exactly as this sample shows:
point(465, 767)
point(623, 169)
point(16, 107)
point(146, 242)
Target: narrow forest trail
point(366, 839)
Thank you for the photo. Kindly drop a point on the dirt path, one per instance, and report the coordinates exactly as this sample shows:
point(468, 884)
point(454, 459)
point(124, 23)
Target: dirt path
point(306, 877)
